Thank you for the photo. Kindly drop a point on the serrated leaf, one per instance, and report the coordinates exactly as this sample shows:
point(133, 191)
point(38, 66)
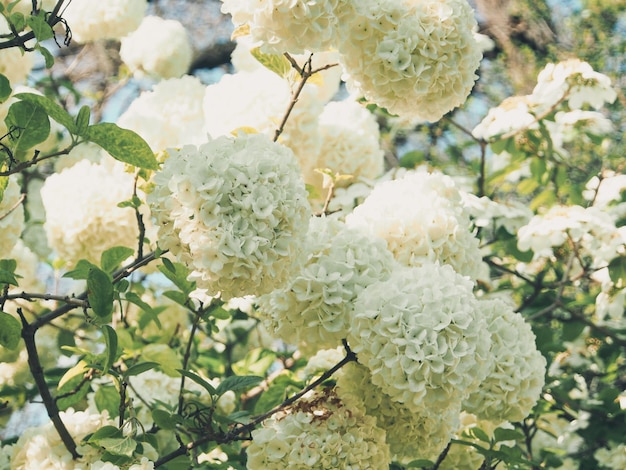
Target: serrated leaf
point(277, 63)
point(110, 339)
point(140, 368)
point(122, 144)
point(51, 108)
point(5, 88)
point(10, 330)
point(200, 381)
point(100, 292)
point(29, 124)
point(81, 271)
point(112, 257)
point(236, 382)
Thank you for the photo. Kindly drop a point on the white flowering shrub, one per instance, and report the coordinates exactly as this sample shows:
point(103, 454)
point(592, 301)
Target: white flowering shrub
point(340, 238)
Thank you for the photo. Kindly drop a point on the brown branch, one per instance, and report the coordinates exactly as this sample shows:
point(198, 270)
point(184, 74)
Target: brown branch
point(20, 41)
point(15, 206)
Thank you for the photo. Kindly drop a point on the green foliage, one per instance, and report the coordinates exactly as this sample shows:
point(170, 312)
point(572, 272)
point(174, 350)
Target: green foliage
point(277, 63)
point(100, 292)
point(28, 125)
point(122, 144)
point(5, 88)
point(10, 331)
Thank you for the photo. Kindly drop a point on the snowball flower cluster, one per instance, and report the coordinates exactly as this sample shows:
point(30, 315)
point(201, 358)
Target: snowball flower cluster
point(315, 307)
point(318, 432)
point(91, 20)
point(234, 211)
point(416, 59)
point(510, 215)
point(158, 47)
point(512, 387)
point(14, 63)
point(82, 214)
point(592, 230)
point(350, 140)
point(422, 337)
point(287, 25)
point(170, 115)
point(11, 215)
point(512, 115)
point(410, 435)
point(613, 458)
point(422, 219)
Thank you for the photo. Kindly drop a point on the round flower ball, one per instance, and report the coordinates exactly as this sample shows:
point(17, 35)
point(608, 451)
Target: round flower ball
point(158, 47)
point(514, 383)
point(235, 211)
point(318, 432)
point(287, 25)
point(315, 308)
point(91, 20)
point(422, 218)
point(169, 115)
point(422, 338)
point(410, 435)
point(11, 216)
point(417, 59)
point(82, 214)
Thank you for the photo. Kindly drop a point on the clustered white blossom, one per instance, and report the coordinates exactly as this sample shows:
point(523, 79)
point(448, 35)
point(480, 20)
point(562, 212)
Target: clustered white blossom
point(514, 383)
point(170, 115)
point(513, 114)
point(416, 59)
point(287, 25)
point(82, 214)
point(410, 435)
point(91, 20)
point(158, 47)
point(613, 458)
point(318, 432)
point(606, 193)
point(315, 307)
point(14, 63)
point(592, 231)
point(485, 212)
point(350, 140)
point(11, 215)
point(422, 219)
point(422, 337)
point(234, 210)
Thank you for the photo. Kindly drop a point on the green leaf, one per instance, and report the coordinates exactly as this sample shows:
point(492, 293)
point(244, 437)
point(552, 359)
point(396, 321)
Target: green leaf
point(151, 312)
point(72, 392)
point(82, 120)
point(119, 446)
point(123, 145)
point(47, 55)
point(617, 271)
point(420, 463)
point(10, 331)
point(572, 330)
point(108, 398)
point(177, 273)
point(18, 20)
point(200, 381)
point(276, 393)
point(176, 296)
point(167, 358)
point(479, 434)
point(39, 26)
point(81, 271)
point(236, 382)
point(140, 368)
point(7, 276)
point(29, 123)
point(503, 434)
point(165, 419)
point(51, 108)
point(277, 63)
point(5, 88)
point(100, 292)
point(104, 432)
point(112, 257)
point(110, 339)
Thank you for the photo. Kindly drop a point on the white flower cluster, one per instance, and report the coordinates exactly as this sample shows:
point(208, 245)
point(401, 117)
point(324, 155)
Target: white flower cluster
point(145, 464)
point(321, 361)
point(613, 458)
point(416, 59)
point(591, 230)
point(91, 20)
point(422, 338)
point(11, 216)
point(422, 219)
point(171, 115)
point(256, 102)
point(287, 25)
point(158, 48)
point(14, 63)
point(606, 193)
point(511, 215)
point(410, 435)
point(82, 214)
point(314, 308)
point(350, 141)
point(513, 114)
point(234, 211)
point(514, 383)
point(41, 447)
point(319, 432)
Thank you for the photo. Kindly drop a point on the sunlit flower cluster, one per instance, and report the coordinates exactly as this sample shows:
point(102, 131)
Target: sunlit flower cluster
point(512, 387)
point(613, 458)
point(513, 114)
point(11, 216)
point(14, 64)
point(158, 47)
point(91, 20)
point(315, 307)
point(287, 25)
point(410, 435)
point(234, 211)
point(422, 337)
point(82, 214)
point(485, 212)
point(171, 115)
point(319, 432)
point(416, 59)
point(422, 219)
